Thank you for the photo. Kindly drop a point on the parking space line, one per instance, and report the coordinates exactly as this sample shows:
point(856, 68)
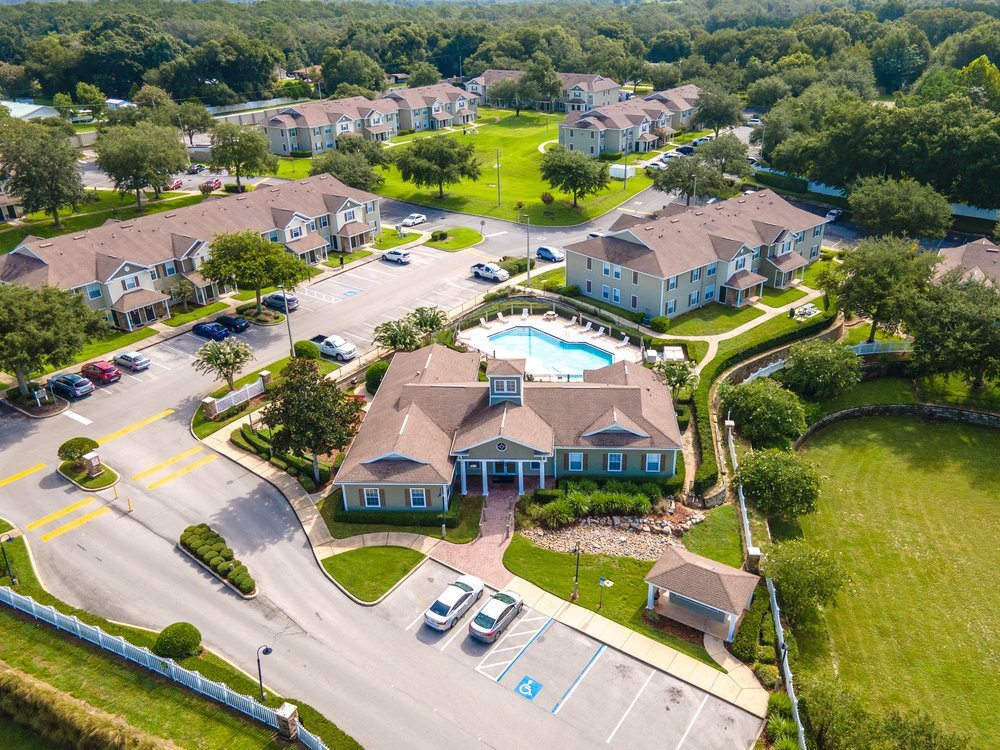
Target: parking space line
point(168, 462)
point(75, 523)
point(21, 475)
point(177, 351)
point(579, 678)
point(133, 377)
point(58, 514)
point(629, 709)
point(453, 637)
point(76, 417)
point(135, 426)
point(418, 619)
point(525, 647)
point(159, 365)
point(182, 471)
point(693, 720)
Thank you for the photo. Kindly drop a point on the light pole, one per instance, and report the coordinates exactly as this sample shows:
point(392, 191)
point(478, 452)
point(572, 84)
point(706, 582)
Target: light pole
point(266, 651)
point(498, 176)
point(527, 245)
point(181, 126)
point(288, 319)
point(576, 577)
point(3, 540)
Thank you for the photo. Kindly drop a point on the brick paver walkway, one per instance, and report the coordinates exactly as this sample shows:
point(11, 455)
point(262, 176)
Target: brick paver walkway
point(483, 558)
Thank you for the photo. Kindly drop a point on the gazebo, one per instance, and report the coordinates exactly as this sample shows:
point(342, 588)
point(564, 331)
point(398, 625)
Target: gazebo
point(700, 593)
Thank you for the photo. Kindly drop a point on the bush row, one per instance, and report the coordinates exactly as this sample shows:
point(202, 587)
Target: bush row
point(744, 645)
point(439, 236)
point(683, 417)
point(209, 547)
point(297, 466)
point(782, 181)
point(580, 498)
point(514, 265)
point(401, 517)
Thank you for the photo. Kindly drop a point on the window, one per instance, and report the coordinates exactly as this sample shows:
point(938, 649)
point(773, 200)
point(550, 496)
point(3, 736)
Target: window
point(817, 230)
point(696, 274)
point(635, 302)
point(348, 215)
point(291, 132)
point(326, 130)
point(590, 264)
point(671, 306)
point(93, 291)
point(616, 295)
point(635, 277)
point(273, 235)
point(756, 253)
point(373, 497)
point(575, 462)
point(709, 292)
point(152, 273)
point(652, 462)
point(324, 221)
point(296, 232)
point(606, 292)
point(590, 287)
point(814, 252)
point(692, 299)
point(130, 283)
point(741, 263)
point(170, 268)
point(618, 271)
point(418, 497)
point(312, 226)
point(607, 269)
point(505, 385)
point(710, 271)
point(614, 462)
point(672, 282)
point(315, 131)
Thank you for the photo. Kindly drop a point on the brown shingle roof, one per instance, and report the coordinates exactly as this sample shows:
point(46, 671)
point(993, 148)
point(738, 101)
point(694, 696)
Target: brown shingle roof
point(507, 420)
point(587, 81)
point(744, 280)
point(489, 77)
point(138, 298)
point(787, 262)
point(979, 260)
point(505, 367)
point(706, 581)
point(425, 96)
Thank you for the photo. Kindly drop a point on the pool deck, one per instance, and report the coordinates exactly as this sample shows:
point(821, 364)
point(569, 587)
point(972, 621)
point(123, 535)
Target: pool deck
point(479, 338)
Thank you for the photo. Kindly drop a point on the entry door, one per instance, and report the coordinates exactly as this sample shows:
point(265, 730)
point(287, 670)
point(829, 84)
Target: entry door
point(504, 468)
point(723, 292)
point(133, 316)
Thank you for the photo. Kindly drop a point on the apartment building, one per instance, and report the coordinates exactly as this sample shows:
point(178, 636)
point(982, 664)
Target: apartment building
point(433, 107)
point(690, 257)
point(128, 269)
point(313, 127)
point(580, 91)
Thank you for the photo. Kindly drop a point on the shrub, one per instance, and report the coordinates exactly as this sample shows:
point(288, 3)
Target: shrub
point(767, 674)
point(571, 290)
point(307, 482)
point(516, 265)
point(779, 483)
point(765, 413)
point(557, 514)
point(765, 654)
point(579, 502)
point(226, 554)
point(768, 636)
point(401, 517)
point(780, 726)
point(275, 461)
point(547, 198)
point(652, 490)
point(779, 704)
point(744, 645)
point(546, 496)
point(498, 294)
point(610, 156)
point(246, 584)
point(821, 370)
point(203, 550)
point(374, 374)
point(786, 743)
point(215, 561)
point(223, 567)
point(683, 416)
point(781, 181)
point(583, 485)
point(660, 323)
point(76, 448)
point(178, 641)
point(307, 350)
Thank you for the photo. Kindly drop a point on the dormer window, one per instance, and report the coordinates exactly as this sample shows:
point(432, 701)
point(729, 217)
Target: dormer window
point(505, 386)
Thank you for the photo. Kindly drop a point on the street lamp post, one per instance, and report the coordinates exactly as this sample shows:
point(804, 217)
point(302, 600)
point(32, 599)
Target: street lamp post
point(527, 245)
point(3, 540)
point(180, 124)
point(266, 651)
point(288, 320)
point(498, 176)
point(576, 577)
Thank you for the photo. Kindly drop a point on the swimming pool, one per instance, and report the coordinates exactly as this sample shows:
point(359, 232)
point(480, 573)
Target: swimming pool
point(546, 353)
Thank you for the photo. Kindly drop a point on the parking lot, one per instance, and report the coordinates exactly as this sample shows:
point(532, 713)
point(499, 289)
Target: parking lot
point(546, 666)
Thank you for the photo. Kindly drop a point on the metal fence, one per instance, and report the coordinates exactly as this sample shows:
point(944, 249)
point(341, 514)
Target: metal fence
point(217, 691)
point(240, 395)
point(881, 347)
point(763, 372)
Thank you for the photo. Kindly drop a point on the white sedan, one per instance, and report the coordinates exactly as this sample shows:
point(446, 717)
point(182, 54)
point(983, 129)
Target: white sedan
point(454, 602)
point(495, 616)
point(413, 219)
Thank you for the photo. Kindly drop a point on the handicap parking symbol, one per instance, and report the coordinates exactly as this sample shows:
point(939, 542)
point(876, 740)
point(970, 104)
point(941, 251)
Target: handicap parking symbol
point(350, 292)
point(528, 688)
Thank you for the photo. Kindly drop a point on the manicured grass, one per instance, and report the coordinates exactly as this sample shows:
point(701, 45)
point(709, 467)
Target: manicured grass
point(245, 295)
point(681, 138)
point(105, 479)
point(621, 312)
point(179, 319)
point(97, 200)
point(624, 603)
point(718, 536)
point(469, 510)
point(712, 319)
point(369, 572)
point(954, 389)
point(518, 138)
point(859, 335)
point(909, 507)
point(811, 274)
point(147, 701)
point(292, 168)
point(390, 239)
point(876, 391)
point(553, 276)
point(334, 261)
point(781, 297)
point(459, 238)
point(113, 342)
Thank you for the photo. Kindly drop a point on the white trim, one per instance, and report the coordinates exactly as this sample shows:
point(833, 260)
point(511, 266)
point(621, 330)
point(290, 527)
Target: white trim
point(614, 428)
point(569, 461)
point(393, 455)
point(621, 463)
point(659, 463)
point(423, 493)
point(378, 496)
point(464, 451)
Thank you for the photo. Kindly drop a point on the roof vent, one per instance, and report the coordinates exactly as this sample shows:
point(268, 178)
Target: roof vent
point(169, 216)
point(127, 226)
point(241, 198)
point(988, 249)
point(674, 221)
point(46, 244)
point(78, 237)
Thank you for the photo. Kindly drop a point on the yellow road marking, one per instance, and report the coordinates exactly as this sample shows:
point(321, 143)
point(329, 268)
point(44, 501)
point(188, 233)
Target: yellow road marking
point(21, 474)
point(75, 523)
point(136, 426)
point(168, 462)
point(181, 472)
point(58, 514)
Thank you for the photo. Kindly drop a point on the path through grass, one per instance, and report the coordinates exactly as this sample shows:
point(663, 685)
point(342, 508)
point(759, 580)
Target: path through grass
point(711, 319)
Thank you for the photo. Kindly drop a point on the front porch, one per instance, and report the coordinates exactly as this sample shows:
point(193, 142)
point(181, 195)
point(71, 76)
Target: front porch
point(789, 268)
point(525, 475)
point(720, 624)
point(354, 234)
point(139, 308)
point(204, 290)
point(741, 288)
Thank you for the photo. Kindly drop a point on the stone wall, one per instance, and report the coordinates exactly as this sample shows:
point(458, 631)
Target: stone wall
point(925, 411)
point(740, 372)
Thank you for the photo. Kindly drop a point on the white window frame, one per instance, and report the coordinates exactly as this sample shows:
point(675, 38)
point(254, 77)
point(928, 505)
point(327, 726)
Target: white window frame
point(696, 274)
point(635, 302)
point(505, 385)
point(605, 292)
point(814, 252)
point(617, 271)
point(671, 306)
point(653, 463)
point(91, 289)
point(741, 263)
point(367, 496)
point(349, 215)
point(709, 293)
point(693, 298)
point(324, 221)
point(130, 283)
point(170, 268)
point(607, 268)
point(616, 295)
point(414, 493)
point(817, 230)
point(672, 283)
point(756, 253)
point(152, 273)
point(575, 462)
point(295, 232)
point(620, 468)
point(710, 271)
point(590, 286)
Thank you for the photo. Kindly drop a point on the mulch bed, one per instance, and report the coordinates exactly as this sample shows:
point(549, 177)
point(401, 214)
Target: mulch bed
point(666, 625)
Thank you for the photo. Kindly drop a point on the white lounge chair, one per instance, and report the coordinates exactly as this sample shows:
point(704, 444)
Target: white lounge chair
point(600, 332)
point(572, 322)
point(483, 323)
point(524, 313)
point(501, 318)
point(587, 327)
point(624, 341)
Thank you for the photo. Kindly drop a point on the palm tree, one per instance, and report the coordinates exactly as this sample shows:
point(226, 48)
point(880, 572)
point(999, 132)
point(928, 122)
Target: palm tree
point(427, 319)
point(224, 359)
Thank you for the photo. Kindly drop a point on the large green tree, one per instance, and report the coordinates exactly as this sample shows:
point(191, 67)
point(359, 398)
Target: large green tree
point(540, 79)
point(351, 168)
point(764, 412)
point(805, 576)
point(252, 262)
point(507, 92)
point(821, 369)
point(92, 98)
point(38, 165)
point(728, 154)
point(690, 176)
point(882, 279)
point(436, 162)
point(574, 172)
point(903, 207)
point(717, 109)
point(191, 117)
point(373, 151)
point(224, 359)
point(779, 483)
point(900, 55)
point(423, 74)
point(141, 156)
point(353, 67)
point(241, 150)
point(310, 414)
point(43, 329)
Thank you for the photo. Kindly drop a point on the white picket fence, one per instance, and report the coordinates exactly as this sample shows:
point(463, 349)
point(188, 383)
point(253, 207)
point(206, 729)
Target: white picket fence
point(240, 395)
point(217, 691)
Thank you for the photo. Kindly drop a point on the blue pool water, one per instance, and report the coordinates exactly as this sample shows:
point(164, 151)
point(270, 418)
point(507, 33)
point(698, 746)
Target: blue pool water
point(547, 354)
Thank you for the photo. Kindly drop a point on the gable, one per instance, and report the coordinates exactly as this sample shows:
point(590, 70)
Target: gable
point(128, 268)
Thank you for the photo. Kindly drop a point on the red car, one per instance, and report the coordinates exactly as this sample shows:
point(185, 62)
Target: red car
point(175, 184)
point(215, 183)
point(101, 372)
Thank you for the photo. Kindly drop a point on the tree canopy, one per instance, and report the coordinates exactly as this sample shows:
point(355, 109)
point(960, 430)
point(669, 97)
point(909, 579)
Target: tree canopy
point(436, 162)
point(242, 150)
point(901, 207)
point(779, 483)
point(574, 172)
point(690, 176)
point(821, 369)
point(140, 156)
point(805, 576)
point(764, 412)
point(38, 165)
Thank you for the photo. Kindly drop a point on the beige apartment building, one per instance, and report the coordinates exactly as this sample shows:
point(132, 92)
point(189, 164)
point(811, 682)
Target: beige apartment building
point(580, 91)
point(433, 107)
point(313, 127)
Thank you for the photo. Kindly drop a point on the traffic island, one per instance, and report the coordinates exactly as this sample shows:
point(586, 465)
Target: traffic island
point(45, 406)
point(208, 549)
point(100, 477)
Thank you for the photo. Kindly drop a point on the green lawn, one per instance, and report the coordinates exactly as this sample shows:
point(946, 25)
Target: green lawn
point(859, 335)
point(718, 536)
point(518, 139)
point(292, 168)
point(469, 510)
point(15, 737)
point(334, 261)
point(114, 341)
point(147, 701)
point(712, 319)
point(369, 572)
point(624, 603)
point(390, 239)
point(681, 138)
point(245, 295)
point(781, 297)
point(888, 390)
point(910, 508)
point(554, 276)
point(96, 201)
point(812, 272)
point(954, 389)
point(193, 314)
point(105, 479)
point(459, 238)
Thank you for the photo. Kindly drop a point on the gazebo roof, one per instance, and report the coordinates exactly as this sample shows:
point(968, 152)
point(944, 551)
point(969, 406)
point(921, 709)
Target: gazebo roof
point(720, 586)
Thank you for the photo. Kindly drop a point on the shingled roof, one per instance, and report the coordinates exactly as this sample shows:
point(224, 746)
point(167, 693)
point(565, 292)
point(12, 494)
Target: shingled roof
point(720, 586)
point(979, 261)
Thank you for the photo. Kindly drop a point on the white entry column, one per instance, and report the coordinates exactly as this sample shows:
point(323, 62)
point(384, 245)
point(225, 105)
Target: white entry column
point(461, 471)
point(520, 477)
point(486, 489)
point(541, 474)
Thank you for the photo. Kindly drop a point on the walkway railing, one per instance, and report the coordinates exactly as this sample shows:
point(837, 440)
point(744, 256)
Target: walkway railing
point(240, 395)
point(881, 347)
point(217, 691)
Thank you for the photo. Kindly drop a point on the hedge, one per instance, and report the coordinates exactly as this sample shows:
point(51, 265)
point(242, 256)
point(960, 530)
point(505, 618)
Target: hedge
point(208, 545)
point(307, 349)
point(744, 645)
point(401, 517)
point(782, 181)
point(374, 374)
point(516, 266)
point(683, 416)
point(297, 466)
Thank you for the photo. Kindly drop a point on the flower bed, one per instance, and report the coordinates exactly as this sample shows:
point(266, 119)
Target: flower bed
point(297, 466)
point(210, 549)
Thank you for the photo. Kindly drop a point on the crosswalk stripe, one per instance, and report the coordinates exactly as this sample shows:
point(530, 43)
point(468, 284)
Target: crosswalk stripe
point(21, 475)
point(75, 523)
point(181, 472)
point(58, 514)
point(168, 462)
point(135, 426)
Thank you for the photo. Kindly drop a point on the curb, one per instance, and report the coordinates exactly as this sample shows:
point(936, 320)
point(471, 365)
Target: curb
point(28, 414)
point(251, 595)
point(70, 479)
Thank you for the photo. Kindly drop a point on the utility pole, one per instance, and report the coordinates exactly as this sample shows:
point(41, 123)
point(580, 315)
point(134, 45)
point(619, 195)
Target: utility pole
point(625, 170)
point(527, 246)
point(498, 177)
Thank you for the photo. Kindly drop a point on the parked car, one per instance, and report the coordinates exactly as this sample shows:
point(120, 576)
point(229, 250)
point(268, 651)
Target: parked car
point(196, 169)
point(70, 385)
point(397, 256)
point(752, 161)
point(597, 233)
point(710, 201)
point(233, 323)
point(754, 122)
point(214, 183)
point(453, 602)
point(494, 616)
point(337, 347)
point(101, 372)
point(657, 165)
point(134, 361)
point(413, 219)
point(214, 331)
point(702, 141)
point(833, 214)
point(175, 184)
point(276, 301)
point(685, 150)
point(490, 272)
point(553, 254)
